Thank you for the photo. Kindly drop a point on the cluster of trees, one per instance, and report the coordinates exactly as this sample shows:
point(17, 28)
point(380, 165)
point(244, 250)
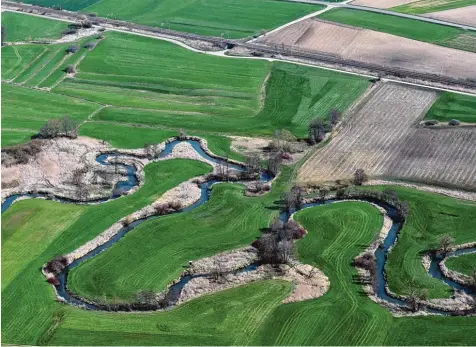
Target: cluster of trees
point(318, 127)
point(56, 127)
point(293, 199)
point(20, 154)
point(276, 246)
point(56, 265)
point(368, 262)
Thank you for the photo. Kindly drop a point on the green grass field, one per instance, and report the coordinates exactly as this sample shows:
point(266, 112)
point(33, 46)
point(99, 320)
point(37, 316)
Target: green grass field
point(453, 106)
point(409, 28)
point(24, 108)
point(427, 6)
point(22, 27)
point(160, 84)
point(17, 59)
point(233, 19)
point(343, 316)
point(464, 264)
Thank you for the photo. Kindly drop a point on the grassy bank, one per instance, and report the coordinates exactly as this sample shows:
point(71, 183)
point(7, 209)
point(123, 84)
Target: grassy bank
point(453, 106)
point(464, 264)
point(410, 28)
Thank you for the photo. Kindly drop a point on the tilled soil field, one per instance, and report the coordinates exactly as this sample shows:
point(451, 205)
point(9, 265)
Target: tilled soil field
point(384, 139)
point(381, 3)
point(375, 47)
point(463, 15)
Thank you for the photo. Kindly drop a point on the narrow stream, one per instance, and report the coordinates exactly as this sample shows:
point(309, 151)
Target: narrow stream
point(175, 290)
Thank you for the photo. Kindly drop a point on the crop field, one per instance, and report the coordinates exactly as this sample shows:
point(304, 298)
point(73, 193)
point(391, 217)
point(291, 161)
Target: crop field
point(464, 264)
point(383, 139)
point(375, 47)
point(463, 15)
point(230, 18)
point(427, 6)
point(21, 27)
point(337, 233)
point(453, 106)
point(159, 84)
point(409, 28)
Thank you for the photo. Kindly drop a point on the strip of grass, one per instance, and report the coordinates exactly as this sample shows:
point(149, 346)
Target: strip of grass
point(427, 6)
point(453, 106)
point(15, 59)
point(21, 27)
point(124, 136)
point(48, 68)
point(464, 264)
point(30, 109)
point(34, 231)
point(158, 83)
point(14, 137)
point(410, 28)
point(35, 65)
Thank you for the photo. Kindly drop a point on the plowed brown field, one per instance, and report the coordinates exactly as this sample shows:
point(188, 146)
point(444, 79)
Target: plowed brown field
point(463, 15)
point(383, 138)
point(375, 47)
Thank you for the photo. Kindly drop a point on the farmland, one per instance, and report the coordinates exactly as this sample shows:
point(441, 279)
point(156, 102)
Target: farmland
point(229, 18)
point(183, 89)
point(386, 142)
point(375, 47)
point(27, 28)
point(453, 106)
point(134, 91)
point(348, 227)
point(465, 264)
point(463, 15)
point(427, 6)
point(404, 27)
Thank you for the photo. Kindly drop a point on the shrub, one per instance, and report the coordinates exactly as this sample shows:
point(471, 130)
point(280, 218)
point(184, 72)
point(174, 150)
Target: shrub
point(53, 280)
point(56, 265)
point(72, 49)
point(70, 69)
point(286, 156)
point(454, 122)
point(360, 177)
point(90, 45)
point(20, 154)
point(69, 31)
point(431, 122)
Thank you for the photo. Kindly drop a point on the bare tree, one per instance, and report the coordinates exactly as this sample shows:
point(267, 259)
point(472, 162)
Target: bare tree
point(323, 193)
point(217, 270)
point(277, 225)
point(298, 196)
point(335, 117)
point(317, 130)
point(473, 280)
point(289, 202)
point(446, 244)
point(4, 34)
point(253, 164)
point(146, 297)
point(274, 163)
point(286, 250)
point(51, 129)
point(360, 177)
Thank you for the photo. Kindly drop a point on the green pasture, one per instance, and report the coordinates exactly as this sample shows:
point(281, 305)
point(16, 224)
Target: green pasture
point(464, 264)
point(453, 106)
point(22, 27)
point(156, 83)
point(17, 59)
point(14, 137)
point(410, 28)
point(128, 136)
point(246, 315)
point(24, 108)
point(427, 6)
point(227, 18)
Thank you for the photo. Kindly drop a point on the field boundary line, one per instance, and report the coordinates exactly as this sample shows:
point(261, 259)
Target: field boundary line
point(28, 66)
point(42, 67)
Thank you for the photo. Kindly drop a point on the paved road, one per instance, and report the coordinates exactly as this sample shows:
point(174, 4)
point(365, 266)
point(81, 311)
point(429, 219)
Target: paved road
point(384, 11)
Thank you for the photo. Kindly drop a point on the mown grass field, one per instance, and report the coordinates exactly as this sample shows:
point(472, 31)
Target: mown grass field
point(453, 106)
point(160, 84)
point(22, 27)
point(24, 108)
point(230, 18)
point(409, 28)
point(427, 6)
point(249, 314)
point(464, 264)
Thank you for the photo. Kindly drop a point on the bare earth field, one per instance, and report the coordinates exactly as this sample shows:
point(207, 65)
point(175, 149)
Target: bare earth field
point(375, 47)
point(383, 138)
point(463, 15)
point(381, 3)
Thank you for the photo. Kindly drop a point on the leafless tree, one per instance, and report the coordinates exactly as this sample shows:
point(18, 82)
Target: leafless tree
point(414, 295)
point(146, 297)
point(298, 196)
point(217, 270)
point(446, 244)
point(323, 193)
point(253, 164)
point(4, 34)
point(274, 164)
point(72, 49)
point(290, 202)
point(360, 177)
point(335, 117)
point(286, 250)
point(473, 280)
point(277, 225)
point(317, 130)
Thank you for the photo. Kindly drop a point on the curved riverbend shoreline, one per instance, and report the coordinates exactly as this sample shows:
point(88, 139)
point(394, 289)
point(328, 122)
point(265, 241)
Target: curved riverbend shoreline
point(196, 192)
